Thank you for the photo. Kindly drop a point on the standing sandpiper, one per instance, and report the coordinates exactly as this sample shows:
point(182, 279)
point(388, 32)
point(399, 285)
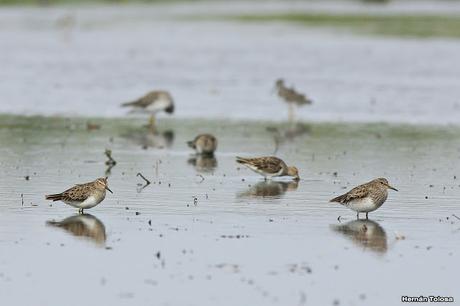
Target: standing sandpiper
point(204, 144)
point(291, 97)
point(153, 102)
point(83, 196)
point(366, 197)
point(269, 166)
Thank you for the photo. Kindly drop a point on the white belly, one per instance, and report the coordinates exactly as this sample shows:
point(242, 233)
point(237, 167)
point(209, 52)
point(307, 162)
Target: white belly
point(267, 175)
point(362, 205)
point(159, 105)
point(88, 203)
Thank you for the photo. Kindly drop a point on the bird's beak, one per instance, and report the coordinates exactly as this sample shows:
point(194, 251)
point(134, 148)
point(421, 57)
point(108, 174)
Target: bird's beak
point(392, 188)
point(106, 187)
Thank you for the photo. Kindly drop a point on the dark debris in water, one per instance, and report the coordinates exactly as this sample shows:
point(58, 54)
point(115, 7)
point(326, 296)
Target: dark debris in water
point(234, 236)
point(110, 161)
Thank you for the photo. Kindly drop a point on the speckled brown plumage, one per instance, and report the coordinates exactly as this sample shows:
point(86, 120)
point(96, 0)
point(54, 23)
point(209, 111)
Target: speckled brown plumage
point(204, 144)
point(151, 98)
point(290, 95)
point(268, 166)
point(374, 189)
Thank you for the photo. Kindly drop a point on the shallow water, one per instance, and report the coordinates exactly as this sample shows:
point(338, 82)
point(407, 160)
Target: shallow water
point(207, 232)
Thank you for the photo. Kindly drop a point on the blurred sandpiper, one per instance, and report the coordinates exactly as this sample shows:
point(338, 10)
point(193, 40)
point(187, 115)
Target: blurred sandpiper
point(291, 97)
point(205, 144)
point(269, 166)
point(152, 103)
point(366, 197)
point(83, 196)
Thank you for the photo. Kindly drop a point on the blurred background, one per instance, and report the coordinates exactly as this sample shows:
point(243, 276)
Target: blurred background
point(366, 61)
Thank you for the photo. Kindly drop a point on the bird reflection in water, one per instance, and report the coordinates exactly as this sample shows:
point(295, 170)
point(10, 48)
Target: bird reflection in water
point(269, 189)
point(364, 233)
point(148, 138)
point(288, 134)
point(203, 163)
point(82, 225)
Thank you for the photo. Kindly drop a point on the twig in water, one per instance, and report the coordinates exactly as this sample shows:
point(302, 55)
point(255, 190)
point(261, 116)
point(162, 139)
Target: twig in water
point(140, 186)
point(147, 182)
point(108, 171)
point(456, 216)
point(22, 199)
point(202, 177)
point(111, 162)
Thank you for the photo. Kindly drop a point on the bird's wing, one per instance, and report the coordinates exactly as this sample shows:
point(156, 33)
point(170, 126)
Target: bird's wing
point(358, 192)
point(268, 164)
point(78, 193)
point(297, 97)
point(144, 101)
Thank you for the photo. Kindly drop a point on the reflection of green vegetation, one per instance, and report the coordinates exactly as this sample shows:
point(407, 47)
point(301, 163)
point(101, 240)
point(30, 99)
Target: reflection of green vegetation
point(398, 25)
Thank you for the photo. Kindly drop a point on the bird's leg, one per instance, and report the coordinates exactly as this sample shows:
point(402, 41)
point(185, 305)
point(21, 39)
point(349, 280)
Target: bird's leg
point(152, 123)
point(80, 211)
point(291, 112)
point(367, 217)
point(357, 215)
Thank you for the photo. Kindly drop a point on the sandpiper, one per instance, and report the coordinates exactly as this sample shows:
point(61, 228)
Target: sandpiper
point(152, 103)
point(291, 97)
point(366, 197)
point(204, 144)
point(269, 166)
point(83, 196)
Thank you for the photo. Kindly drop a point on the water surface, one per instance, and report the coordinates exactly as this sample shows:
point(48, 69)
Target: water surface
point(207, 232)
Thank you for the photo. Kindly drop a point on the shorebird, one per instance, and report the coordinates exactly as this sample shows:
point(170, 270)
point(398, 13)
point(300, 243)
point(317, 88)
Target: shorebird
point(82, 225)
point(152, 103)
point(291, 97)
point(204, 144)
point(83, 196)
point(269, 166)
point(366, 197)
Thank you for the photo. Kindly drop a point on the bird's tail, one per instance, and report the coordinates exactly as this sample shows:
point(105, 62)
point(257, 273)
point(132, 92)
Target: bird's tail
point(191, 144)
point(54, 197)
point(339, 199)
point(53, 223)
point(128, 104)
point(241, 160)
point(305, 100)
